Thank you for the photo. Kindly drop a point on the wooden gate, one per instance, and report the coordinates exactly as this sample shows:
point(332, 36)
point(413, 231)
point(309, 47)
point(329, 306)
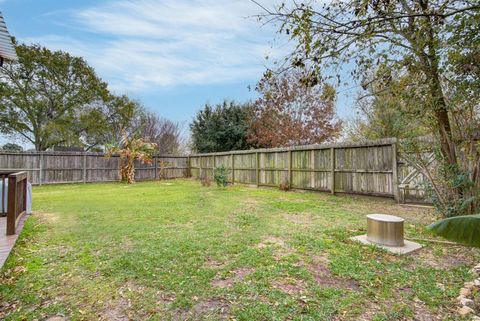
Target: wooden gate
point(412, 183)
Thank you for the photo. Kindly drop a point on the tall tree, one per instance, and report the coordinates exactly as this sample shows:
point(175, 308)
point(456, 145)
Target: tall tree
point(166, 134)
point(12, 147)
point(420, 37)
point(292, 111)
point(114, 117)
point(383, 108)
point(221, 128)
point(46, 96)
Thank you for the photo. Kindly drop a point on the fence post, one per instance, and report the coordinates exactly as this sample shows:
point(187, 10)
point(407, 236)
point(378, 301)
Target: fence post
point(290, 169)
point(84, 167)
point(189, 167)
point(12, 205)
point(200, 171)
point(25, 193)
point(395, 172)
point(233, 169)
point(155, 159)
point(332, 161)
point(40, 173)
point(312, 162)
point(257, 168)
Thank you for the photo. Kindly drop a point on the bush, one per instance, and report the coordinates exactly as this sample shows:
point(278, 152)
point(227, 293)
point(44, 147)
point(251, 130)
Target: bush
point(220, 175)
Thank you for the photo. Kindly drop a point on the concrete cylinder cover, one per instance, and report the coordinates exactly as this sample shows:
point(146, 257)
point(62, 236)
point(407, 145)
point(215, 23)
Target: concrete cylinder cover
point(385, 230)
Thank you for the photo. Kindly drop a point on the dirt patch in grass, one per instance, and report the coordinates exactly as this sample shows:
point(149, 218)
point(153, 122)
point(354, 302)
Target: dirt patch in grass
point(46, 217)
point(116, 311)
point(279, 245)
point(251, 201)
point(324, 278)
point(215, 307)
point(300, 219)
point(422, 313)
point(374, 310)
point(56, 318)
point(271, 241)
point(8, 307)
point(213, 264)
point(127, 244)
point(368, 312)
point(444, 258)
point(236, 276)
point(131, 286)
point(290, 286)
point(165, 299)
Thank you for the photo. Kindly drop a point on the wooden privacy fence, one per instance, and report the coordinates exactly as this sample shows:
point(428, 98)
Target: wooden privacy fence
point(78, 167)
point(370, 168)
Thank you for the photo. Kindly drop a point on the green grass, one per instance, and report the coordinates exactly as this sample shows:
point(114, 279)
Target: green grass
point(175, 251)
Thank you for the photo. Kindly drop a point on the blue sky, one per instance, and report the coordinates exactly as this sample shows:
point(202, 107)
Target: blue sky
point(173, 55)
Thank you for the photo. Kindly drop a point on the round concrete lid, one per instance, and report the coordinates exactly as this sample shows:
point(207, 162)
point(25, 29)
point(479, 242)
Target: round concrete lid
point(385, 218)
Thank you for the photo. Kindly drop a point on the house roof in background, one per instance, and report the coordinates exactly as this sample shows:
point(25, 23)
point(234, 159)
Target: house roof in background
point(7, 51)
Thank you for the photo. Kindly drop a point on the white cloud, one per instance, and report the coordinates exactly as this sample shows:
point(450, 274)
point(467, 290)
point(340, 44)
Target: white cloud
point(146, 44)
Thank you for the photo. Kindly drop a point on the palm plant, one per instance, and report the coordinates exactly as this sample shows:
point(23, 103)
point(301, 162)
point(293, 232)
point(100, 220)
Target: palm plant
point(130, 150)
point(461, 229)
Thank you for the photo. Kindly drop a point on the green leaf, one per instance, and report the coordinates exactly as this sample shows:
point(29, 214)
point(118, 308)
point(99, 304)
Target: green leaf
point(461, 229)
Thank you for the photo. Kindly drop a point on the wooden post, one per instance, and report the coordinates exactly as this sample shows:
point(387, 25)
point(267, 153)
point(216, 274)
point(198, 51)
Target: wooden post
point(4, 192)
point(332, 160)
point(233, 169)
point(401, 195)
point(290, 169)
point(395, 173)
point(155, 159)
point(25, 194)
point(257, 168)
point(84, 167)
point(189, 167)
point(40, 173)
point(12, 205)
point(200, 170)
point(312, 162)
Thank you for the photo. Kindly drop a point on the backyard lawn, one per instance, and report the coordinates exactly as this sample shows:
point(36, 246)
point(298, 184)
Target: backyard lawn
point(173, 250)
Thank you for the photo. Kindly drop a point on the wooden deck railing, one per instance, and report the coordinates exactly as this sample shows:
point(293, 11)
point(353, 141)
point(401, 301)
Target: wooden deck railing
point(17, 198)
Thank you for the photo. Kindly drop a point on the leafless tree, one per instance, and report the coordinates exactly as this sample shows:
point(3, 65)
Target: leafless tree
point(166, 134)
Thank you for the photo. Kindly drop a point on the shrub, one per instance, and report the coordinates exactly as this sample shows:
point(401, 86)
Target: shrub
point(220, 175)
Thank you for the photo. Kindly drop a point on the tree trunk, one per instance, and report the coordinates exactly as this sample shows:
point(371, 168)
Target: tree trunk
point(445, 132)
point(426, 51)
